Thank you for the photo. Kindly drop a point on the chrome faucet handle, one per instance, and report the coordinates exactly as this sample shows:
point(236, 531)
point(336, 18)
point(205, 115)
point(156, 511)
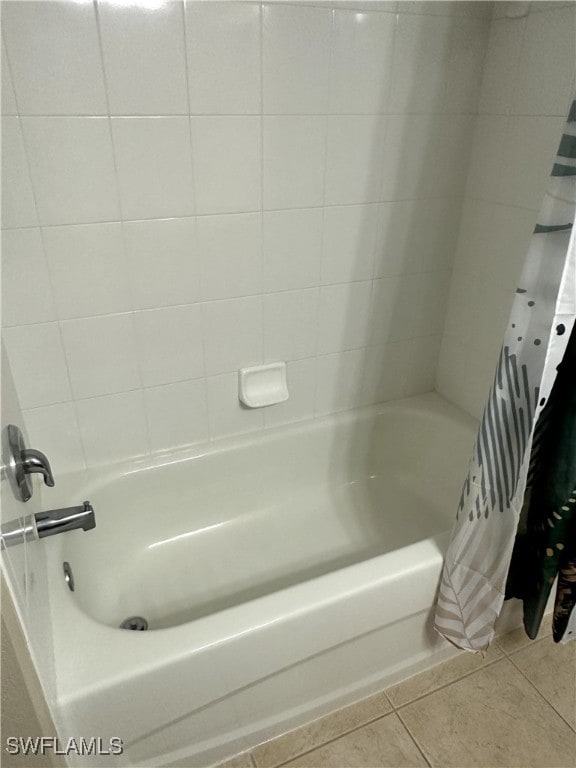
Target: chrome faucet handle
point(20, 462)
point(36, 461)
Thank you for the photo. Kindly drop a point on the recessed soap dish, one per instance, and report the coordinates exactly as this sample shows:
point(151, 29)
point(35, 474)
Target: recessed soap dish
point(263, 385)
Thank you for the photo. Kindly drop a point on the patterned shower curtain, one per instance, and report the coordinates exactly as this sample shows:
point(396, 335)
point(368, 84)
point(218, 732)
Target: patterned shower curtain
point(520, 493)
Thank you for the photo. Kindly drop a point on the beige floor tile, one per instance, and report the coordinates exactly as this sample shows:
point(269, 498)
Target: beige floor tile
point(384, 743)
point(240, 761)
point(432, 679)
point(493, 717)
point(552, 669)
point(518, 638)
point(303, 739)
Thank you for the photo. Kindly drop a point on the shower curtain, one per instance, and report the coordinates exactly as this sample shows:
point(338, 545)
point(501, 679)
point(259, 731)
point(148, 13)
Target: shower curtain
point(520, 494)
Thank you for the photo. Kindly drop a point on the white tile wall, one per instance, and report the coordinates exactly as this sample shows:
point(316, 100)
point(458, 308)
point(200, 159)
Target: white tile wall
point(230, 246)
point(536, 137)
point(344, 316)
point(292, 248)
point(350, 234)
point(103, 445)
point(195, 187)
point(294, 161)
point(536, 92)
point(38, 365)
point(8, 98)
point(226, 413)
point(363, 52)
point(232, 334)
point(55, 431)
point(386, 372)
point(18, 206)
point(88, 269)
point(26, 294)
point(501, 65)
point(392, 317)
point(63, 75)
point(452, 151)
point(177, 414)
point(340, 381)
point(101, 354)
point(154, 165)
point(290, 321)
point(144, 59)
point(296, 59)
point(523, 103)
point(170, 345)
point(355, 157)
point(301, 378)
point(227, 163)
point(487, 156)
point(466, 62)
point(163, 262)
point(410, 157)
point(224, 58)
point(72, 167)
point(421, 64)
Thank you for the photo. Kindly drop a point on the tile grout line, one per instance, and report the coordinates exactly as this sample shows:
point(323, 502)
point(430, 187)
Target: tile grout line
point(133, 329)
point(249, 296)
point(211, 115)
point(549, 703)
point(262, 191)
point(324, 743)
point(394, 710)
point(357, 204)
point(23, 593)
point(199, 265)
point(413, 738)
point(397, 710)
point(398, 707)
point(322, 208)
point(56, 320)
point(224, 373)
point(379, 217)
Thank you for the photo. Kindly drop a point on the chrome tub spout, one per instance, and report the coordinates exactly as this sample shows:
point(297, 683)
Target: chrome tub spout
point(67, 519)
point(49, 523)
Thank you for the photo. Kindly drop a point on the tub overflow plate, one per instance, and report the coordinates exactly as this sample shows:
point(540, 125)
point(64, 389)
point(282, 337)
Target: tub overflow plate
point(68, 575)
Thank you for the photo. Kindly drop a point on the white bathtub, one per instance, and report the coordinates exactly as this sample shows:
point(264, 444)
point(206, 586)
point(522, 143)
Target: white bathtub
point(283, 575)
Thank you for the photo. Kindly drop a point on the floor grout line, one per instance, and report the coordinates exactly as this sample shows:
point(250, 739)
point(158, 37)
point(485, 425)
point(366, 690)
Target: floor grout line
point(329, 741)
point(397, 709)
point(549, 703)
point(529, 644)
point(445, 685)
point(413, 738)
point(394, 710)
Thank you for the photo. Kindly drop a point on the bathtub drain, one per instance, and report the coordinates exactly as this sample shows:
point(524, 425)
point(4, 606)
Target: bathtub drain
point(137, 623)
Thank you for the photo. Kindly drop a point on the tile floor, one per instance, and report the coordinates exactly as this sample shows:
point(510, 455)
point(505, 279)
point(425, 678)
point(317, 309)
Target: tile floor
point(516, 707)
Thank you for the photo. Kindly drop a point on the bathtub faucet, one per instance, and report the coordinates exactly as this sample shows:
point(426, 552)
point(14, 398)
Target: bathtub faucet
point(19, 463)
point(67, 519)
point(36, 461)
point(48, 523)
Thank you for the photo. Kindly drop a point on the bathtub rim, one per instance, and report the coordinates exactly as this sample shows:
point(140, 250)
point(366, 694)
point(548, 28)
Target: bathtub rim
point(111, 657)
point(144, 649)
point(68, 483)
